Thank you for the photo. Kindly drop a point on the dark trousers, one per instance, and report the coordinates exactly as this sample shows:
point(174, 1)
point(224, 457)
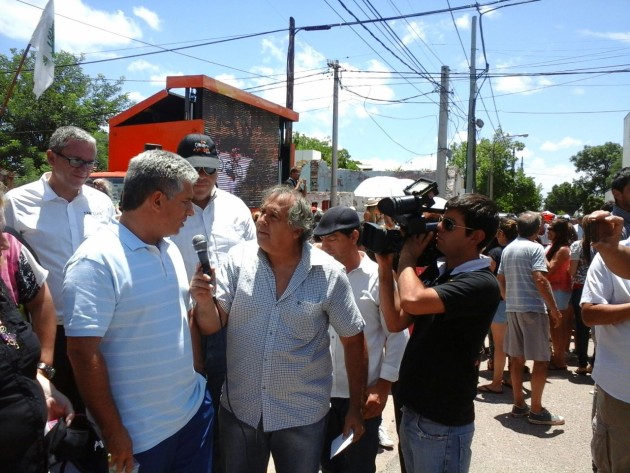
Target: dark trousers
point(64, 376)
point(581, 331)
point(359, 457)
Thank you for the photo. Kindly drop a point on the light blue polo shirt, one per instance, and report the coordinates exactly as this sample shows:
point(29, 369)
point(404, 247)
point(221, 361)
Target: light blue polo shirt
point(136, 297)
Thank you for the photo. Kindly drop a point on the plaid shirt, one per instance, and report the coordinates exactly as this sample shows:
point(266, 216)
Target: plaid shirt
point(279, 367)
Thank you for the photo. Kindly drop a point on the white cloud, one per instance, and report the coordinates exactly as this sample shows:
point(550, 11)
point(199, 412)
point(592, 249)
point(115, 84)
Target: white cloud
point(578, 91)
point(463, 22)
point(414, 30)
point(231, 80)
point(160, 79)
point(272, 48)
point(113, 28)
point(149, 16)
point(142, 65)
point(564, 143)
point(623, 37)
point(136, 96)
point(548, 174)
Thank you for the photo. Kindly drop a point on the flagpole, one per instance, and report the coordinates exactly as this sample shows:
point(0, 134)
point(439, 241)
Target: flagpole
point(15, 78)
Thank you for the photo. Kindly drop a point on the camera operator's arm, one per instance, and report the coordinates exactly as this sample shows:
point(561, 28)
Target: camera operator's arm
point(395, 319)
point(616, 256)
point(415, 297)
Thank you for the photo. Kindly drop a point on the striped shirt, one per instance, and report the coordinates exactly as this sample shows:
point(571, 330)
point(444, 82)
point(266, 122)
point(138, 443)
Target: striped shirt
point(518, 261)
point(135, 297)
point(278, 349)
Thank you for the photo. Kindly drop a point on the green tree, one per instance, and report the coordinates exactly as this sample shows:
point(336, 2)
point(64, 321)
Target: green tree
point(304, 142)
point(497, 175)
point(74, 98)
point(564, 198)
point(598, 163)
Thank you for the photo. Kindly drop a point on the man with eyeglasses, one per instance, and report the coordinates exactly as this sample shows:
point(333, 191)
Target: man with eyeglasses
point(224, 220)
point(54, 215)
point(451, 306)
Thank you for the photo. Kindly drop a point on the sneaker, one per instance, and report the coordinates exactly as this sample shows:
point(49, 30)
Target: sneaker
point(384, 439)
point(518, 411)
point(545, 417)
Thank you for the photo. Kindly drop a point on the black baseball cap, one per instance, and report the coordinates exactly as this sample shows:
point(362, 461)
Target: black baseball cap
point(337, 219)
point(199, 150)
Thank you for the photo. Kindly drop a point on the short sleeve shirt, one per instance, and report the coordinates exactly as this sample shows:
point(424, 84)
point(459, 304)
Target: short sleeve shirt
point(279, 367)
point(518, 261)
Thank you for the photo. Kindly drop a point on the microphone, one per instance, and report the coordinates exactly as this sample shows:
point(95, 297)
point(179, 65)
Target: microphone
point(200, 244)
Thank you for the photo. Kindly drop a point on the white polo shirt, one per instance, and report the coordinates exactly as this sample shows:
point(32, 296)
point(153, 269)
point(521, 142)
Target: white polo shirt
point(54, 227)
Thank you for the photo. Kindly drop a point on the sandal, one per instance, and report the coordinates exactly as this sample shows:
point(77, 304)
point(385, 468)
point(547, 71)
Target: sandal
point(486, 389)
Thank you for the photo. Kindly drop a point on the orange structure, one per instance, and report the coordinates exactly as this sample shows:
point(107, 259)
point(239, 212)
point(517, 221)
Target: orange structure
point(248, 131)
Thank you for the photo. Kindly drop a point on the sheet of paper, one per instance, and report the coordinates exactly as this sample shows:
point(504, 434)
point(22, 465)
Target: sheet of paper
point(340, 443)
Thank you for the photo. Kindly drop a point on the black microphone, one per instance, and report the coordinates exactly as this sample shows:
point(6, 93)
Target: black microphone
point(200, 244)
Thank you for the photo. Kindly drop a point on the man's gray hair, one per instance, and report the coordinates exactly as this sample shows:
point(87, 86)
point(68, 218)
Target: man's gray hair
point(528, 223)
point(64, 134)
point(155, 170)
point(300, 213)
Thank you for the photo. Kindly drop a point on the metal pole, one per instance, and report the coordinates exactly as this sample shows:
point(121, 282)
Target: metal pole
point(472, 132)
point(14, 81)
point(443, 131)
point(333, 170)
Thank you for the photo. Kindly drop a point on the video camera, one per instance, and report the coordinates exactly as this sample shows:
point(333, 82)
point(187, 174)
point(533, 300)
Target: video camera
point(407, 211)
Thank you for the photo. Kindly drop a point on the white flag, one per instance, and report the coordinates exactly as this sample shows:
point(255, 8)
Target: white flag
point(44, 41)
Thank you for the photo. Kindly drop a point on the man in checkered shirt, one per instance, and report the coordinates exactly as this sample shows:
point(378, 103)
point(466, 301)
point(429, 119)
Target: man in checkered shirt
point(278, 296)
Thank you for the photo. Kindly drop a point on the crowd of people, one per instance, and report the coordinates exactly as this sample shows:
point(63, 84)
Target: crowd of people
point(282, 332)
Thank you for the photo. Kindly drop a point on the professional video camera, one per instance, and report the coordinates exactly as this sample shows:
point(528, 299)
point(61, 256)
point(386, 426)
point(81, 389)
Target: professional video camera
point(407, 211)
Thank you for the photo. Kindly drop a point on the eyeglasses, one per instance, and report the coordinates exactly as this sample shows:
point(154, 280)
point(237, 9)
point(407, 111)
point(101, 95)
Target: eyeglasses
point(449, 224)
point(78, 162)
point(207, 170)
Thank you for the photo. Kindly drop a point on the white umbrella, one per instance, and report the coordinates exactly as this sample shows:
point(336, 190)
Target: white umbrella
point(382, 186)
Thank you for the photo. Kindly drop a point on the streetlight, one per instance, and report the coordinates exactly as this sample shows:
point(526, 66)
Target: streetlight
point(491, 174)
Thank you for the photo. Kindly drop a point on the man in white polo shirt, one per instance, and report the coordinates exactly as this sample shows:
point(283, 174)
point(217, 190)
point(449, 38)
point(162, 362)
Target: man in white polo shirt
point(126, 301)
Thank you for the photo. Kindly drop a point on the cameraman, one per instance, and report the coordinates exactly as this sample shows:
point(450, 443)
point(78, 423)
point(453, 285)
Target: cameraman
point(451, 307)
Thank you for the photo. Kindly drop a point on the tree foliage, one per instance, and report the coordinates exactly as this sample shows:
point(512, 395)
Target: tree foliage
point(598, 163)
point(587, 193)
point(497, 174)
point(74, 98)
point(304, 142)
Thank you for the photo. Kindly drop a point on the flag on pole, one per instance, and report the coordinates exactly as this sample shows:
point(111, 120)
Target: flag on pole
point(44, 41)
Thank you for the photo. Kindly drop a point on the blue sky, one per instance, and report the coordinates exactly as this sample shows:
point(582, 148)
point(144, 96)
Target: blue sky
point(388, 104)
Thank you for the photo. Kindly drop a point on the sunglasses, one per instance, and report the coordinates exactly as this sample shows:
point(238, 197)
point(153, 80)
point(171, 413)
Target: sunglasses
point(78, 162)
point(449, 224)
point(208, 171)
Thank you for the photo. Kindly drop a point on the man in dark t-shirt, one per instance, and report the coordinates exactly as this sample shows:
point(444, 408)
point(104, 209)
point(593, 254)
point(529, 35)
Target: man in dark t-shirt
point(451, 307)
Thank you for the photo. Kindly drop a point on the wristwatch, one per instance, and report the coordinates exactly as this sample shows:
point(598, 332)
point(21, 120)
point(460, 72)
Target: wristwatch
point(47, 370)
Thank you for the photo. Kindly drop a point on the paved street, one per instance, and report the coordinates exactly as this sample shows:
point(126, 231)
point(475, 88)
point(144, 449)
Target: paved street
point(505, 444)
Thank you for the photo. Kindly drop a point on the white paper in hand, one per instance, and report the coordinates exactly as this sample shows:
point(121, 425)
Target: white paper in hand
point(340, 443)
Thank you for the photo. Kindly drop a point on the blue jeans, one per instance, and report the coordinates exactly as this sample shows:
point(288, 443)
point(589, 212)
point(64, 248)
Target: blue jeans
point(246, 449)
point(360, 457)
point(188, 451)
point(429, 447)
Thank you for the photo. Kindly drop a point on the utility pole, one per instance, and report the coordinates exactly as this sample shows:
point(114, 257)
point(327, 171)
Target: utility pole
point(442, 150)
point(472, 132)
point(333, 170)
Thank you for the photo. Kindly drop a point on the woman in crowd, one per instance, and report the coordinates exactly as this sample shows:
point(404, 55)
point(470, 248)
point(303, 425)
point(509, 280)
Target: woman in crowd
point(581, 256)
point(27, 397)
point(505, 235)
point(558, 261)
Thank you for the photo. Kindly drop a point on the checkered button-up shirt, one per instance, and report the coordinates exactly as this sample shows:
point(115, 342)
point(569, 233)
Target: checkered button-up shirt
point(279, 366)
